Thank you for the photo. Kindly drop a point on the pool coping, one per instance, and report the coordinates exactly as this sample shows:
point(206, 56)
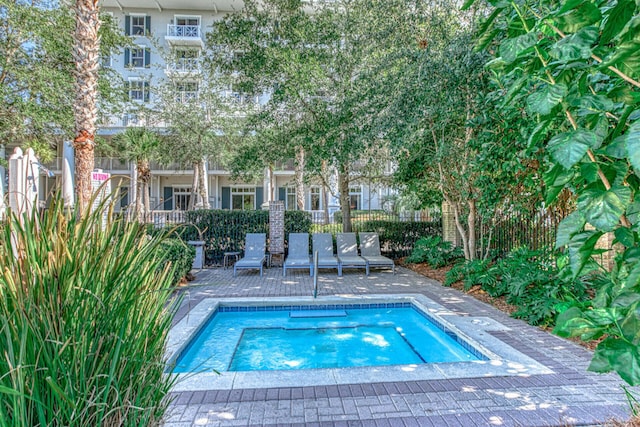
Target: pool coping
point(504, 360)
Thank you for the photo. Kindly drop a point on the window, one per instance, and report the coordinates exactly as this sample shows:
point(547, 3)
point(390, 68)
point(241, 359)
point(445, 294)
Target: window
point(137, 25)
point(243, 198)
point(139, 90)
point(138, 57)
point(187, 20)
point(355, 197)
point(290, 202)
point(181, 198)
point(316, 199)
point(186, 91)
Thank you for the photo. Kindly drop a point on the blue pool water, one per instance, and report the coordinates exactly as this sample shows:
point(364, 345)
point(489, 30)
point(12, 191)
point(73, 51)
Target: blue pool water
point(332, 337)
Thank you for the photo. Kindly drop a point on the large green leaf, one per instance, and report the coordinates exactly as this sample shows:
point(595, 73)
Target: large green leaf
point(633, 215)
point(620, 356)
point(570, 225)
point(634, 277)
point(630, 326)
point(555, 180)
point(603, 208)
point(593, 104)
point(575, 46)
point(581, 248)
point(569, 148)
point(631, 139)
point(584, 15)
point(624, 236)
point(617, 18)
point(545, 98)
point(510, 49)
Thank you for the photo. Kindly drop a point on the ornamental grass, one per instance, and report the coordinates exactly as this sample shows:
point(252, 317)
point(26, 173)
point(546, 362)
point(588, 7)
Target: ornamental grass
point(85, 309)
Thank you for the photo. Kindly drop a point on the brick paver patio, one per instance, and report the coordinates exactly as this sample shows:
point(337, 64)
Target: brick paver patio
point(570, 396)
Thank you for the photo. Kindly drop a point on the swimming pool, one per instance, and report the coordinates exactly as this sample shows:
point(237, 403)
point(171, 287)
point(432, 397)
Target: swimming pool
point(493, 357)
point(240, 338)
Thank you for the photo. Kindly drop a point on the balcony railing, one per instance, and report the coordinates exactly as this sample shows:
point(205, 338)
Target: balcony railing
point(186, 96)
point(184, 65)
point(186, 31)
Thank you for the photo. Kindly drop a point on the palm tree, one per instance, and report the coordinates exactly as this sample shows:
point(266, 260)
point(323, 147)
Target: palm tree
point(86, 54)
point(137, 145)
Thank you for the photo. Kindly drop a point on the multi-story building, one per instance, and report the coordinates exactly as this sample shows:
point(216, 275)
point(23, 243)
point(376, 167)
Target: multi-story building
point(179, 27)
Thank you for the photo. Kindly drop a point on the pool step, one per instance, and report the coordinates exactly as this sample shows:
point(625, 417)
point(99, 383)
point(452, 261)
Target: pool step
point(316, 313)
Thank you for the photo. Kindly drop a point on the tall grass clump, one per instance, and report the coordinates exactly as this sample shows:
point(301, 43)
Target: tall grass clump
point(84, 316)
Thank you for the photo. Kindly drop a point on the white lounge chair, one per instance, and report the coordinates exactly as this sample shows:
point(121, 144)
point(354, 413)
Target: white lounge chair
point(298, 256)
point(370, 251)
point(348, 253)
point(323, 244)
point(254, 253)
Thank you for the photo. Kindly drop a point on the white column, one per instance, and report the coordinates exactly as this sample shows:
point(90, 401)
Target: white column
point(16, 181)
point(2, 175)
point(68, 172)
point(133, 186)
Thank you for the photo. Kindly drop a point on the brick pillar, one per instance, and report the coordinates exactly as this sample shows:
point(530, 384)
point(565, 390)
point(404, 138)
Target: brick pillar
point(276, 229)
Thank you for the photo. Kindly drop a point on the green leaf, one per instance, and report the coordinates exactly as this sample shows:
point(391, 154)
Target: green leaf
point(624, 236)
point(617, 18)
point(510, 49)
point(569, 148)
point(617, 149)
point(630, 326)
point(632, 142)
point(467, 4)
point(634, 277)
point(623, 52)
point(633, 215)
point(603, 208)
point(594, 104)
point(626, 299)
point(570, 225)
point(575, 46)
point(545, 98)
point(581, 248)
point(589, 172)
point(569, 5)
point(555, 180)
point(584, 15)
point(621, 356)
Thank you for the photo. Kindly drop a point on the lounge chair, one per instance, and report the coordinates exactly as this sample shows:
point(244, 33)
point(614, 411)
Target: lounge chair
point(298, 256)
point(370, 251)
point(254, 253)
point(348, 252)
point(323, 244)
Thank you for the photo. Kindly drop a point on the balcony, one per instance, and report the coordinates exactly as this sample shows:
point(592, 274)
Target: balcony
point(184, 35)
point(183, 66)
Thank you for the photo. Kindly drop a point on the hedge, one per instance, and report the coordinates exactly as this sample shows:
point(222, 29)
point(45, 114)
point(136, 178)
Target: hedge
point(180, 256)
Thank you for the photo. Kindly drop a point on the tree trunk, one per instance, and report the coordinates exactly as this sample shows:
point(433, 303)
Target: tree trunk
point(299, 170)
point(144, 176)
point(202, 188)
point(86, 53)
point(471, 229)
point(345, 205)
point(194, 187)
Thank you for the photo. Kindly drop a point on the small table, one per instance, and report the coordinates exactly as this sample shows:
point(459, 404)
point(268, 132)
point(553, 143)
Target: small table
point(226, 258)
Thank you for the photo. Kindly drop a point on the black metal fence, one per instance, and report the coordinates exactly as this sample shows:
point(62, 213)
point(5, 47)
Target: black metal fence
point(511, 229)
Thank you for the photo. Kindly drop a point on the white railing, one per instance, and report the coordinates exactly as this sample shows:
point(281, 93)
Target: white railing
point(185, 31)
point(184, 65)
point(317, 217)
point(186, 96)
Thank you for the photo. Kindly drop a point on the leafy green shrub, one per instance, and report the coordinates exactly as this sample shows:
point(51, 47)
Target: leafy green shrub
point(179, 256)
point(471, 273)
point(528, 279)
point(398, 238)
point(84, 316)
point(434, 251)
point(297, 222)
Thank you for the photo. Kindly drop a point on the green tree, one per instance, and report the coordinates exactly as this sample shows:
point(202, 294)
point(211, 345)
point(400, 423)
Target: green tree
point(326, 67)
point(37, 70)
point(141, 146)
point(574, 69)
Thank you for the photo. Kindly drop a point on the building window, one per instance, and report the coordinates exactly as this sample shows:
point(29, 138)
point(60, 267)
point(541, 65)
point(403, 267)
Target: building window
point(243, 198)
point(138, 57)
point(137, 25)
point(316, 199)
point(186, 91)
point(291, 203)
point(355, 197)
point(187, 60)
point(139, 90)
point(181, 198)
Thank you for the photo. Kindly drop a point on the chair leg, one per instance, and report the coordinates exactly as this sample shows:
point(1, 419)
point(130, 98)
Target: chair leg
point(366, 267)
point(235, 270)
point(339, 270)
point(284, 271)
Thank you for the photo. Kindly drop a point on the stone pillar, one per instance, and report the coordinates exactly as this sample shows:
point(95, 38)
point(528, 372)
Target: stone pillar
point(449, 230)
point(276, 229)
